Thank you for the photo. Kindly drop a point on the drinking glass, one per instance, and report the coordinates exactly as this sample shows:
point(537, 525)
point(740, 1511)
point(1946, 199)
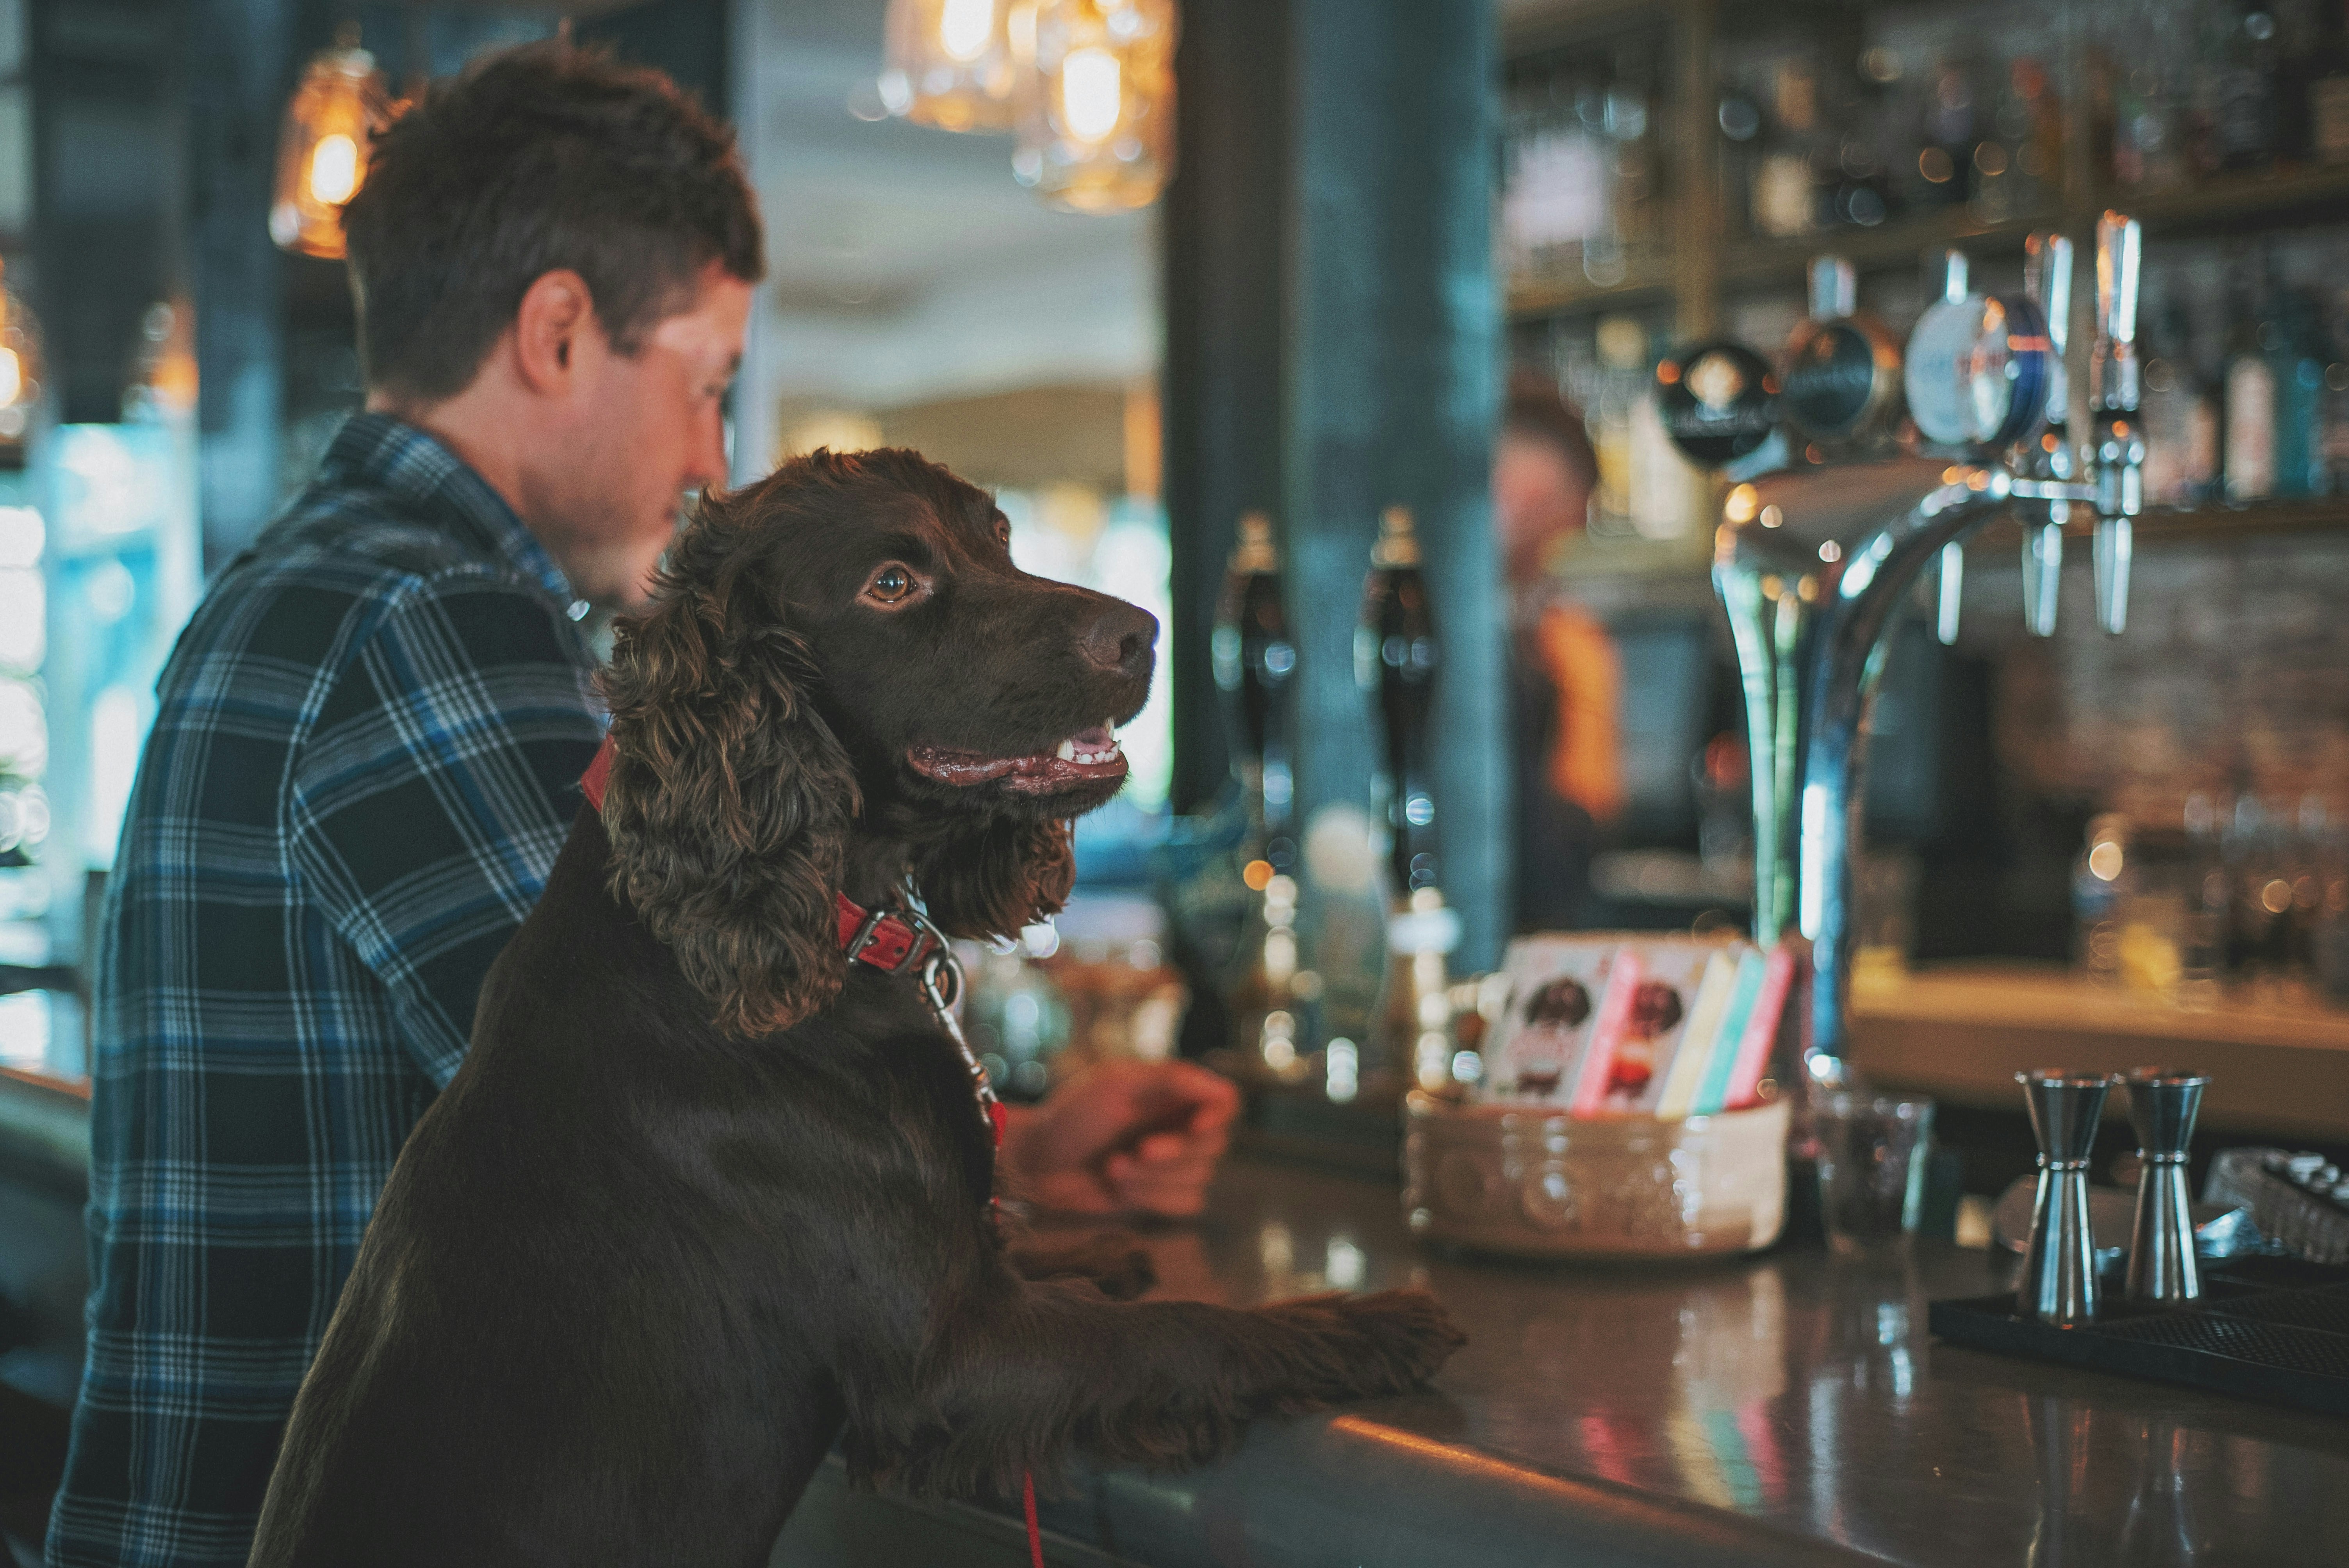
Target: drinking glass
point(1871, 1165)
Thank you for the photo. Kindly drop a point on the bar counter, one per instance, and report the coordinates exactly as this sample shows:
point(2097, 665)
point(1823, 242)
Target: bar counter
point(1789, 1408)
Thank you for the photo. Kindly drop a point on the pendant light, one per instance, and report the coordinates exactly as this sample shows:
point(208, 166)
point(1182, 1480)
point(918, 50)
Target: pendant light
point(322, 153)
point(20, 374)
point(952, 64)
point(1097, 123)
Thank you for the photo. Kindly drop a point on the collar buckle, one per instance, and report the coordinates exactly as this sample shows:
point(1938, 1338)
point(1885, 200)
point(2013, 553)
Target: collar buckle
point(868, 935)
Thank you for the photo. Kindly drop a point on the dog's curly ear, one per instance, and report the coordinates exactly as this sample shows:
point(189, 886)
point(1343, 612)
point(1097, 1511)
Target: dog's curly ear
point(729, 800)
point(990, 883)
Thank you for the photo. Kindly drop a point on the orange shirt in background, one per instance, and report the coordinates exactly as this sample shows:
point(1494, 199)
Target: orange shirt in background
point(1585, 759)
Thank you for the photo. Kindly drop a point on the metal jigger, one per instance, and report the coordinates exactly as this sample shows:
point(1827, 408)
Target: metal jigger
point(2059, 1272)
point(2163, 1104)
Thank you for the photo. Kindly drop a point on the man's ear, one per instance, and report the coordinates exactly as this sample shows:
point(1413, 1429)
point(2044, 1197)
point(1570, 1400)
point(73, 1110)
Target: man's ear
point(550, 327)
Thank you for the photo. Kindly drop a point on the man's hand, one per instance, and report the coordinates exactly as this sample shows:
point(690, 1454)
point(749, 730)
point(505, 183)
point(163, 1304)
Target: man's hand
point(1122, 1138)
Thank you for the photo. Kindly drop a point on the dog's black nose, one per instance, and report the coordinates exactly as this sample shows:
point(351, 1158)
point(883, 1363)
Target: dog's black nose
point(1121, 639)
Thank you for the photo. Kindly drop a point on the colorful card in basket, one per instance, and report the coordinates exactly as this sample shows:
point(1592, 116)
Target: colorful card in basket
point(1556, 984)
point(1604, 1025)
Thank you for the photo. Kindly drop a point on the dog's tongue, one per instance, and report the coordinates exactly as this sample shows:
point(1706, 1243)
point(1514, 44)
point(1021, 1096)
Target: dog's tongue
point(1089, 754)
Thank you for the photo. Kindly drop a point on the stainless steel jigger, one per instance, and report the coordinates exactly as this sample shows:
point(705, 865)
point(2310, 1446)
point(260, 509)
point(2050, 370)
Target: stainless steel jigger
point(2163, 1104)
point(2059, 1272)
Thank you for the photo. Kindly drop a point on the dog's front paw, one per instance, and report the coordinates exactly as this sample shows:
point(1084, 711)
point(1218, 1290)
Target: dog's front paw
point(1368, 1345)
point(1412, 1334)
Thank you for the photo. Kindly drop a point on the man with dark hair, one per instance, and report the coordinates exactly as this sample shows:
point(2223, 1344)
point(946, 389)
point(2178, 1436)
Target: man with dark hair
point(1564, 671)
point(365, 758)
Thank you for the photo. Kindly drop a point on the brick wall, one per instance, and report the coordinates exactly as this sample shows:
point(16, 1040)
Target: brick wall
point(2233, 677)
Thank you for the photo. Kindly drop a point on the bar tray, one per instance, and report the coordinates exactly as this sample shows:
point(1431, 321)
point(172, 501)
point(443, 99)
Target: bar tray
point(2271, 1329)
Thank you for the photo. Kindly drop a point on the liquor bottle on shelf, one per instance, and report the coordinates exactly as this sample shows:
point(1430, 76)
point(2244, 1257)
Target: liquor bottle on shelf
point(2181, 419)
point(2336, 391)
point(2295, 357)
point(2326, 96)
point(2103, 879)
point(1785, 195)
point(1625, 366)
point(1850, 185)
point(1948, 136)
point(2203, 961)
point(2239, 65)
point(1634, 167)
point(2022, 155)
point(1739, 116)
point(2148, 133)
point(2246, 426)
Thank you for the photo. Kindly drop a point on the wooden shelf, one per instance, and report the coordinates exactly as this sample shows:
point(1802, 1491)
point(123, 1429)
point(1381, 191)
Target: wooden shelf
point(2273, 199)
point(2202, 524)
point(1903, 244)
point(1961, 1032)
point(1542, 300)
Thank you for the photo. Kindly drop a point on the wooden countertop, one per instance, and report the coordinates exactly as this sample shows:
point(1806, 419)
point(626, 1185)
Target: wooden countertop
point(1961, 1032)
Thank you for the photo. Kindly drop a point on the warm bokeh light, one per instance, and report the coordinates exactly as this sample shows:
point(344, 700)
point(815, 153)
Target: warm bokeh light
point(955, 64)
point(334, 169)
point(1097, 131)
point(20, 375)
point(965, 27)
point(1089, 94)
point(322, 153)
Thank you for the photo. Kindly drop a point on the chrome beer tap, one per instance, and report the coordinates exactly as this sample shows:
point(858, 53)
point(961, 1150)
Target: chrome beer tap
point(2116, 454)
point(1812, 564)
point(2047, 284)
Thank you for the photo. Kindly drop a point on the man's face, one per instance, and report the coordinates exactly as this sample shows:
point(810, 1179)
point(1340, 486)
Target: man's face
point(1536, 499)
point(644, 428)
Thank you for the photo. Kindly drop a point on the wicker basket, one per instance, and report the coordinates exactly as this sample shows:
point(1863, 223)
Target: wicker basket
point(1539, 1183)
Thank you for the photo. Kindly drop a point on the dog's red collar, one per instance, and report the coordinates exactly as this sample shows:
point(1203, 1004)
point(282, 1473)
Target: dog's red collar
point(598, 776)
point(883, 938)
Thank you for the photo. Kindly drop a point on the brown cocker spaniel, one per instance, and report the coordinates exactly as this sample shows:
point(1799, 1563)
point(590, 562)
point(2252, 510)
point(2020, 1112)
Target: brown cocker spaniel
point(706, 1193)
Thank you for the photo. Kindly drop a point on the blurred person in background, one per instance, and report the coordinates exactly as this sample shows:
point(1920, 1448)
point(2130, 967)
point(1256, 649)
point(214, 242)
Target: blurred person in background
point(1566, 678)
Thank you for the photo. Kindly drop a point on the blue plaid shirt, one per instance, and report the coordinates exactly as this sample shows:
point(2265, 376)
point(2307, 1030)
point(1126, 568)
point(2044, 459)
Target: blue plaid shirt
point(364, 763)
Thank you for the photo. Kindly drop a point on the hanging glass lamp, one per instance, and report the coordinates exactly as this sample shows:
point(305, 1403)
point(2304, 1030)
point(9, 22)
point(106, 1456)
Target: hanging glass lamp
point(20, 374)
point(953, 64)
point(322, 153)
point(1097, 127)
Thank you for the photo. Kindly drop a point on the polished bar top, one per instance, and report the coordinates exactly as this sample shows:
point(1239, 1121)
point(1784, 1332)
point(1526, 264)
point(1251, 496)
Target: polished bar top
point(1790, 1408)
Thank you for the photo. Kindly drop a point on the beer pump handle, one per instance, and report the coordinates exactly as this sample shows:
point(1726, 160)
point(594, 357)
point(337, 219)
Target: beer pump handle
point(2047, 284)
point(2118, 450)
point(1834, 288)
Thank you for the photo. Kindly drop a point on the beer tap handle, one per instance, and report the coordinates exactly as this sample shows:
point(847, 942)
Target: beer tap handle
point(1955, 276)
point(1834, 288)
point(1951, 594)
point(2047, 284)
point(2119, 440)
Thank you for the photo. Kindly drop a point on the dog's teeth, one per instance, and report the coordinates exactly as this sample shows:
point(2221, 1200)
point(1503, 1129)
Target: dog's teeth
point(1068, 752)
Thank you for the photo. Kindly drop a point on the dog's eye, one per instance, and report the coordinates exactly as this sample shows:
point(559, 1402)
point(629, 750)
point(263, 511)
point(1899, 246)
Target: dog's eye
point(890, 585)
point(1003, 531)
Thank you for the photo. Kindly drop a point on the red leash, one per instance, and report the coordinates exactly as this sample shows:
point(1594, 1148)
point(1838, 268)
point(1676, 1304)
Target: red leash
point(888, 942)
